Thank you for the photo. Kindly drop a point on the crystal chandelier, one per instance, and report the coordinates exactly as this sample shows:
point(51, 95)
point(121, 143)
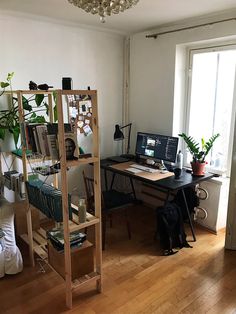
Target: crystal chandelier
point(104, 7)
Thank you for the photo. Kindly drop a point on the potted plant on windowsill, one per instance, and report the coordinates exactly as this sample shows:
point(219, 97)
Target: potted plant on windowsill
point(199, 152)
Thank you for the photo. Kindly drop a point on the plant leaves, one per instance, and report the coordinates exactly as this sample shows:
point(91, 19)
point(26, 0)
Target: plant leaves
point(55, 113)
point(55, 116)
point(4, 84)
point(193, 146)
point(38, 99)
point(33, 115)
point(2, 133)
point(15, 130)
point(47, 108)
point(10, 76)
point(194, 149)
point(210, 142)
point(37, 119)
point(203, 143)
point(54, 94)
point(26, 104)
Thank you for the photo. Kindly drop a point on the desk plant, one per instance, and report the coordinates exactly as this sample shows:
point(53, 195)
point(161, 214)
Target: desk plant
point(199, 152)
point(9, 118)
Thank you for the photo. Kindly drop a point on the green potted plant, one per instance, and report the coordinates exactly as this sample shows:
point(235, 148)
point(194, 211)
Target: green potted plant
point(199, 152)
point(9, 118)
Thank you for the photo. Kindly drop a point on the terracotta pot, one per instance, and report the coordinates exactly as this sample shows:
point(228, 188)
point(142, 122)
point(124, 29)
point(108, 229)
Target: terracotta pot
point(198, 168)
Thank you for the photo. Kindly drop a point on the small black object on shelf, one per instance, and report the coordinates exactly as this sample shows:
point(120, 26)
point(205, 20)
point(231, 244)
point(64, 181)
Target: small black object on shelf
point(34, 86)
point(44, 86)
point(66, 83)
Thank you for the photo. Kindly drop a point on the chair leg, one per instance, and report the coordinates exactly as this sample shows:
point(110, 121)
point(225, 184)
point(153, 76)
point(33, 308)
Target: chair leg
point(104, 221)
point(111, 222)
point(128, 224)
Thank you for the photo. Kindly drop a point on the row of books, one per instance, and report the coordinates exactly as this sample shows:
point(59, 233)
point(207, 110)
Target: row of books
point(47, 199)
point(56, 238)
point(42, 138)
point(13, 180)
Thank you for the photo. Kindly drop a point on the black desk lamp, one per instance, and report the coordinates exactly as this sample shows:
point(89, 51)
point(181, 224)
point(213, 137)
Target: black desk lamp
point(119, 136)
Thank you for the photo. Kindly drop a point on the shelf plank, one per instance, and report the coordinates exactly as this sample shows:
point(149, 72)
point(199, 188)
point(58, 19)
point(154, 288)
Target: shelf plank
point(78, 283)
point(39, 239)
point(79, 92)
point(74, 226)
point(39, 249)
point(81, 161)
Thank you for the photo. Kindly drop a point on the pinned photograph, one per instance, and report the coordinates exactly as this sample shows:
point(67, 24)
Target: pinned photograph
point(72, 151)
point(87, 130)
point(80, 124)
point(84, 106)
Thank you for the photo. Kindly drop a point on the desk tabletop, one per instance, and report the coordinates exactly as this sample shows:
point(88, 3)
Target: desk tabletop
point(154, 176)
point(165, 181)
point(186, 179)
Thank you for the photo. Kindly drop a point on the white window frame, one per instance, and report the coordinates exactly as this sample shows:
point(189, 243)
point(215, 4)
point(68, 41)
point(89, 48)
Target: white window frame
point(190, 52)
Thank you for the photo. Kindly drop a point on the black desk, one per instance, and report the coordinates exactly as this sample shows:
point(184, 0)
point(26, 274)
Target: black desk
point(166, 185)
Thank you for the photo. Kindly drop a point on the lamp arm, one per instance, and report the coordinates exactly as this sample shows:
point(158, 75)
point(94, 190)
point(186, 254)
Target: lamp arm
point(122, 127)
point(128, 144)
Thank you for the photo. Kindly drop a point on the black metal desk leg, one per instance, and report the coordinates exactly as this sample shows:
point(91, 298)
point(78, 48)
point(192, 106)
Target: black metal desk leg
point(105, 176)
point(133, 190)
point(189, 217)
point(167, 197)
point(112, 180)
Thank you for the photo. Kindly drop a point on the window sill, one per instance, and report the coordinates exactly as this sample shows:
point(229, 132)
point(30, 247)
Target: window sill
point(220, 180)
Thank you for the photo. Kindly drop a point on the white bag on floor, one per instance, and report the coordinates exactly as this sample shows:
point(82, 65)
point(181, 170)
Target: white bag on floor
point(13, 262)
point(2, 264)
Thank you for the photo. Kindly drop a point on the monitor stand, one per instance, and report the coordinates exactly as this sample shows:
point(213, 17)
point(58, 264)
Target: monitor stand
point(162, 167)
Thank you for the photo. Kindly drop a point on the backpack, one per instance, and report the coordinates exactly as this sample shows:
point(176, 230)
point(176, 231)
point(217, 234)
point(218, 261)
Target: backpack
point(170, 227)
point(191, 198)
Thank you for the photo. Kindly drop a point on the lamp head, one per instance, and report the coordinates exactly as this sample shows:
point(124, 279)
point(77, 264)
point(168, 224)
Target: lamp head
point(118, 135)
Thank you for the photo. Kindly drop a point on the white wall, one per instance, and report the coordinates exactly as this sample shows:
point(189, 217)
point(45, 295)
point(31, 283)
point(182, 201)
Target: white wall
point(45, 52)
point(152, 74)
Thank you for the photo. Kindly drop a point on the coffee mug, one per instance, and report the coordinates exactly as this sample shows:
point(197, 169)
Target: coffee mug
point(177, 172)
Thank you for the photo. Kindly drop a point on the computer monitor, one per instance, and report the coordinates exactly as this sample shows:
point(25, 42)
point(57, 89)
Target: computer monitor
point(156, 146)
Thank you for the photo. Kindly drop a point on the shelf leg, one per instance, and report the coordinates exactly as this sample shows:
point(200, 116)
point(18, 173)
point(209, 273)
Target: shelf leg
point(69, 298)
point(30, 236)
point(99, 285)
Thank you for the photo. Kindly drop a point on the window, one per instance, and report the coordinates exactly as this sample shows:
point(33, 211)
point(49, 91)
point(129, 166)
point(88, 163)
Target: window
point(210, 101)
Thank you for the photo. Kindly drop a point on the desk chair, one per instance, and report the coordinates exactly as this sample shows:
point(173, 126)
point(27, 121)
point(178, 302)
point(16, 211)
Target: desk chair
point(112, 201)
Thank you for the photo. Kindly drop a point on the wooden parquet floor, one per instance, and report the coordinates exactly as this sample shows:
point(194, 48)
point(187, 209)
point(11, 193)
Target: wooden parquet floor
point(137, 278)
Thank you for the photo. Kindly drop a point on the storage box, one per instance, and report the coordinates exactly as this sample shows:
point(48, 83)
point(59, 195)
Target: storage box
point(82, 260)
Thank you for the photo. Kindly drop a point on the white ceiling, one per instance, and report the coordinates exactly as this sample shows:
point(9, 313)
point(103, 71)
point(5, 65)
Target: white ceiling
point(147, 14)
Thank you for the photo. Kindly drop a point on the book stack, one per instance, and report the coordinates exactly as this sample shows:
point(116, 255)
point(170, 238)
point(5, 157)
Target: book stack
point(47, 199)
point(13, 180)
point(43, 139)
point(56, 238)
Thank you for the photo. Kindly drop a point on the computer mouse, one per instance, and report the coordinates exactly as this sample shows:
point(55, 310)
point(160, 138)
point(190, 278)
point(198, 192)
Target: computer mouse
point(164, 171)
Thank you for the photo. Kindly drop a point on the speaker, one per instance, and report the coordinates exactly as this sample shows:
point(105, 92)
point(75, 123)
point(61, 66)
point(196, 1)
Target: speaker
point(66, 83)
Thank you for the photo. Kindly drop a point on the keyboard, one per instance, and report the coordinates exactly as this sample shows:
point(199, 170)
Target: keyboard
point(143, 168)
point(133, 170)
